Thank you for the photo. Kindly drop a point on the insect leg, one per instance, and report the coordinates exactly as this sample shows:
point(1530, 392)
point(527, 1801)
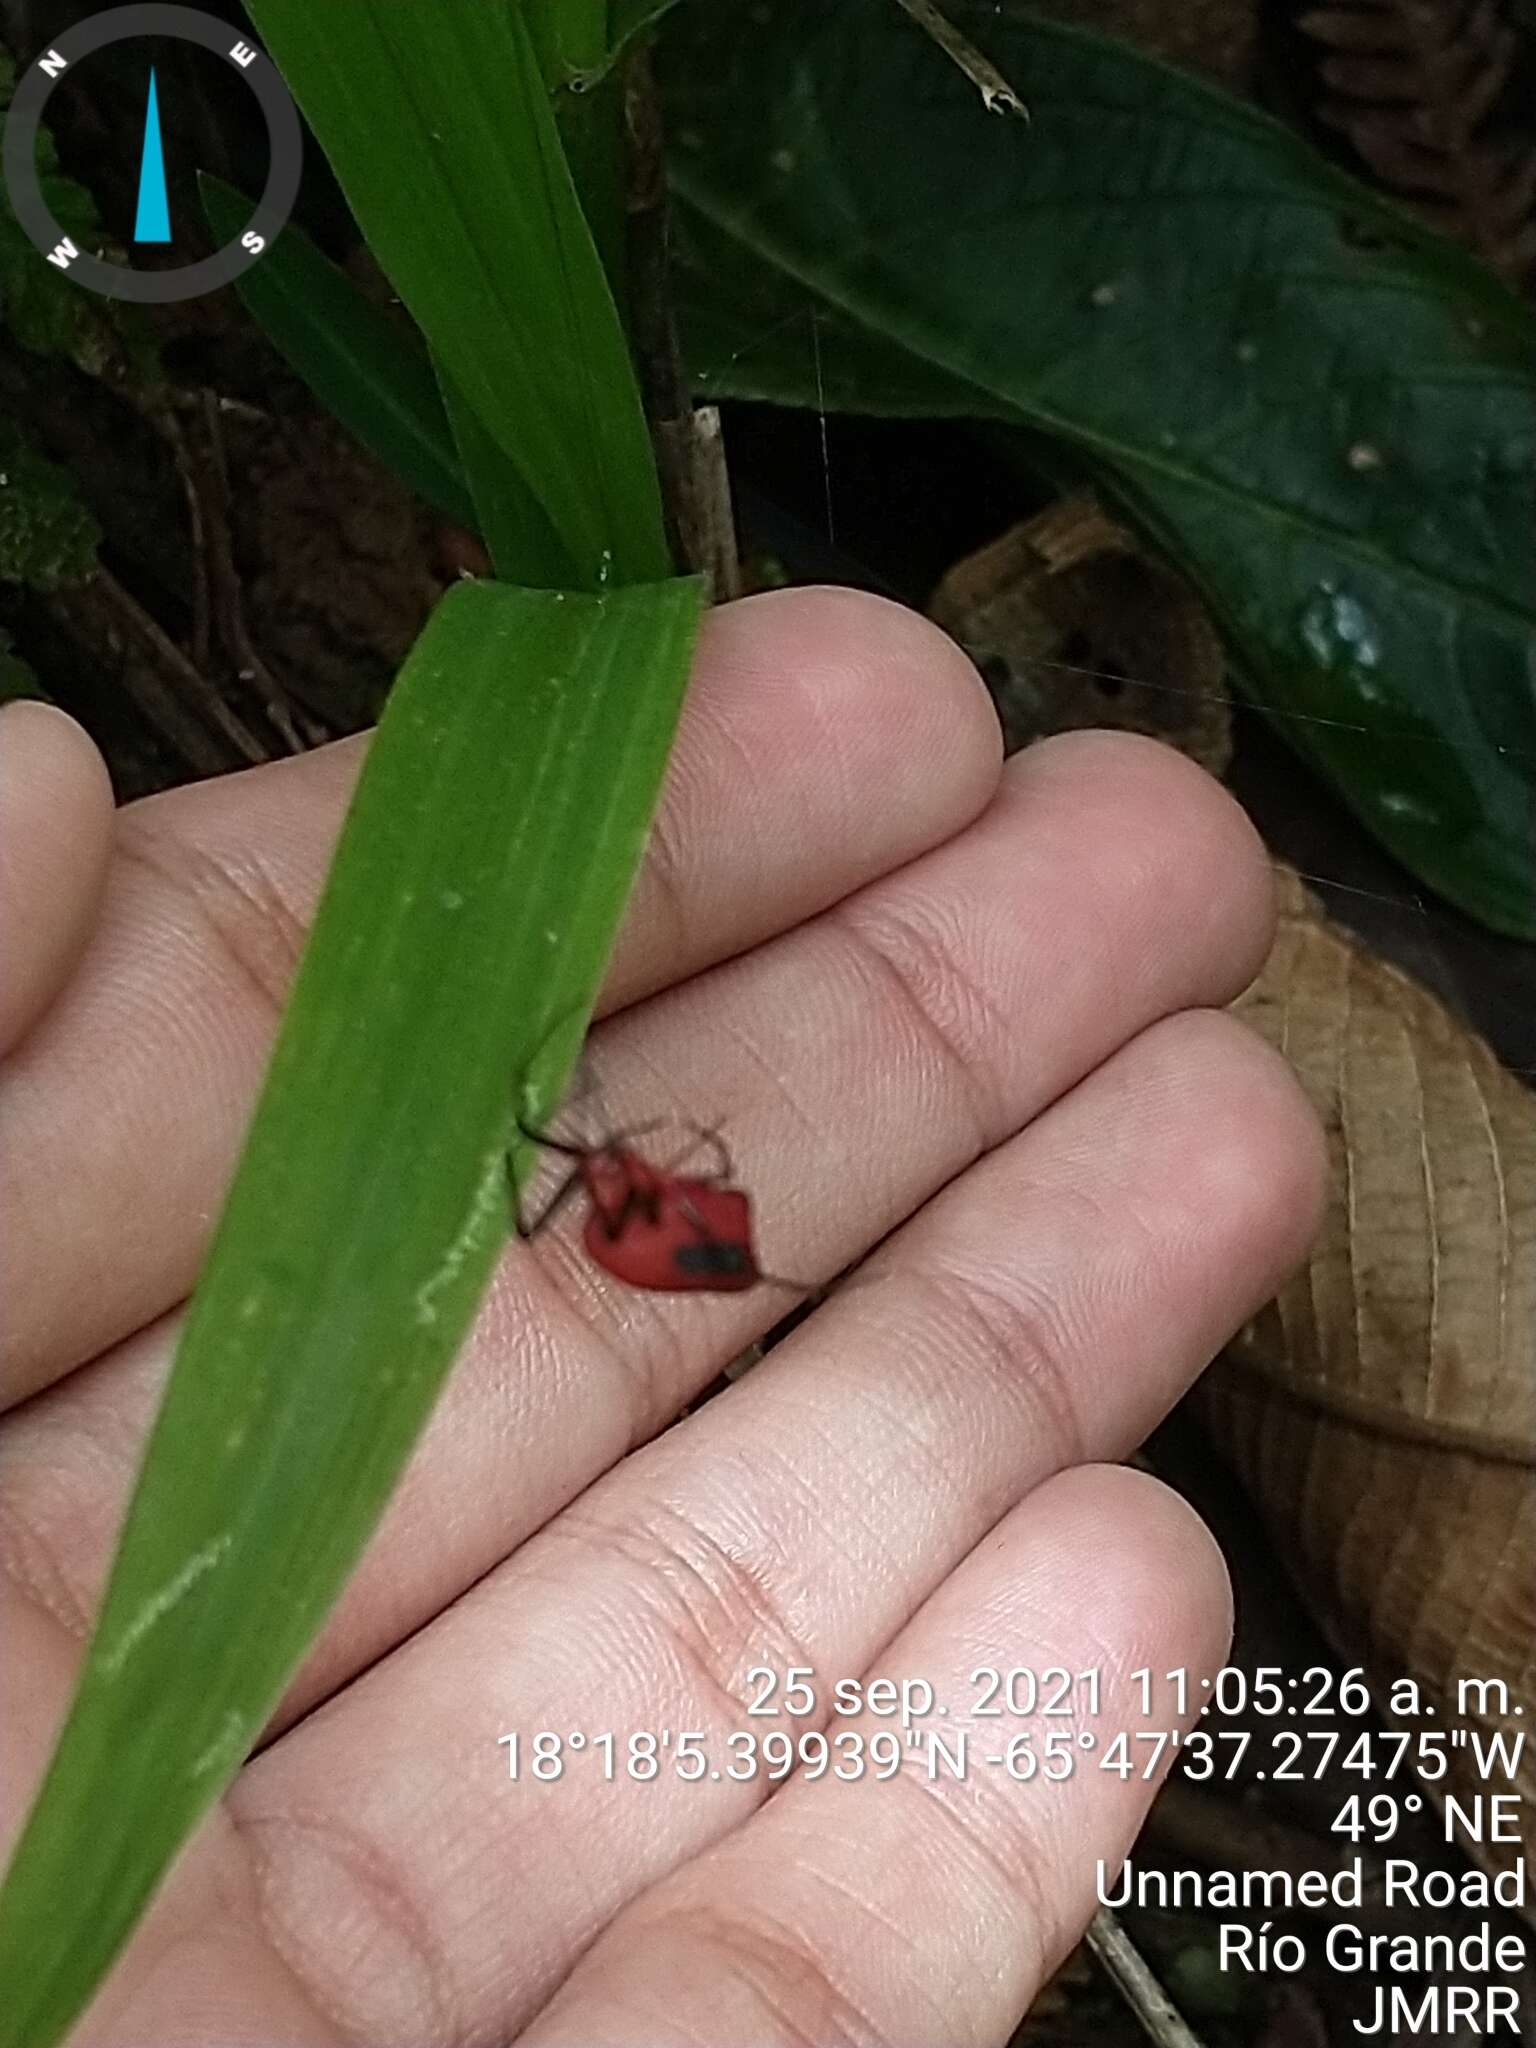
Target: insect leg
point(640, 1202)
point(529, 1226)
point(564, 1145)
point(706, 1134)
point(552, 1144)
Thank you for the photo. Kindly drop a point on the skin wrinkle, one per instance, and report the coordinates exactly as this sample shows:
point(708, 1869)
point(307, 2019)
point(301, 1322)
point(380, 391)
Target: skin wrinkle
point(797, 1491)
point(952, 1808)
point(831, 749)
point(765, 1957)
point(305, 1947)
point(30, 1565)
point(1013, 1335)
point(931, 2013)
point(664, 880)
point(88, 1457)
point(741, 750)
point(925, 1460)
point(929, 2016)
point(1015, 1876)
point(986, 1119)
point(227, 1893)
point(933, 938)
point(755, 1630)
point(787, 1103)
point(742, 1052)
point(253, 929)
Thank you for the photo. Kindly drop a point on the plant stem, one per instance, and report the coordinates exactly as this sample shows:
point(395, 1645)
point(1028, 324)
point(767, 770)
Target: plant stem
point(1127, 1969)
point(690, 457)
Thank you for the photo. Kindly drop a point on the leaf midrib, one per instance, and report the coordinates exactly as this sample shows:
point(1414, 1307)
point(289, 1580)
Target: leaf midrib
point(1505, 613)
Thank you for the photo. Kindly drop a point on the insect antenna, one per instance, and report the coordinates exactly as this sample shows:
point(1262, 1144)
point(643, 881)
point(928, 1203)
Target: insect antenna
point(705, 1134)
point(575, 1151)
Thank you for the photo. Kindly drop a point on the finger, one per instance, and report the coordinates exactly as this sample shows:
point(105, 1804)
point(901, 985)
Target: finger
point(1097, 1571)
point(864, 1061)
point(932, 1905)
point(55, 831)
point(112, 1173)
point(1047, 1308)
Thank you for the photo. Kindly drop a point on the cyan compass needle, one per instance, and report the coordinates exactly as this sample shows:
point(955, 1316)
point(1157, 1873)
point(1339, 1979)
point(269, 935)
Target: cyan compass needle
point(154, 217)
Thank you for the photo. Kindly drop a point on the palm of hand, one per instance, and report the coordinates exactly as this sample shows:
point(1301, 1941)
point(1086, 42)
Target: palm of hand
point(917, 986)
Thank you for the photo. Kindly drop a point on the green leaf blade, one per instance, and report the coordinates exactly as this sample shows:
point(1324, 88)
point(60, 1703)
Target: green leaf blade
point(374, 376)
point(522, 543)
point(453, 963)
point(486, 243)
point(1324, 412)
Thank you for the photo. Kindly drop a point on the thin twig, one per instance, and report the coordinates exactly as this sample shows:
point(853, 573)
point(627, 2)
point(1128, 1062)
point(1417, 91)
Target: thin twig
point(690, 459)
point(164, 703)
point(997, 95)
point(169, 426)
point(224, 582)
point(191, 401)
point(720, 557)
point(1124, 1963)
point(218, 608)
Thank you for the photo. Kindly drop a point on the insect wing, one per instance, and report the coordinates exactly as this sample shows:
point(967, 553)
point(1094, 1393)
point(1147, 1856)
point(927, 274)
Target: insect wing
point(699, 1241)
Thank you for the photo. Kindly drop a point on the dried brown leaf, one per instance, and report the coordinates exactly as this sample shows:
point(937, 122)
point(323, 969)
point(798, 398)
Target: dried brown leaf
point(1383, 1409)
point(1216, 37)
point(1427, 93)
point(1073, 625)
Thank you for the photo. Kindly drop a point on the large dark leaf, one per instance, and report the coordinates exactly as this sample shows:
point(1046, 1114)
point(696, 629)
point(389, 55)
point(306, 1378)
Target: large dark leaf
point(1325, 413)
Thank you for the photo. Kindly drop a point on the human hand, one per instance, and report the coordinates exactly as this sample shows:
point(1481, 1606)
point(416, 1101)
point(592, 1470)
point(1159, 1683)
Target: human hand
point(926, 995)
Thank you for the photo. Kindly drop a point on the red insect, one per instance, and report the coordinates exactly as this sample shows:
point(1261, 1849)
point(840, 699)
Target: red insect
point(654, 1227)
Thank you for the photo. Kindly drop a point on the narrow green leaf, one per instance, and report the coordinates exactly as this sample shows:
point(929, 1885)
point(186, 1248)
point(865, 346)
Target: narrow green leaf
point(1323, 411)
point(376, 377)
point(439, 127)
point(569, 37)
point(445, 988)
point(580, 41)
point(367, 369)
point(523, 546)
point(592, 134)
point(629, 20)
